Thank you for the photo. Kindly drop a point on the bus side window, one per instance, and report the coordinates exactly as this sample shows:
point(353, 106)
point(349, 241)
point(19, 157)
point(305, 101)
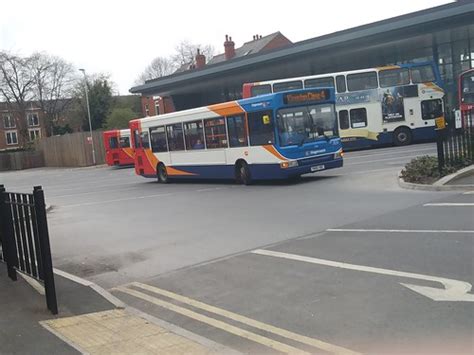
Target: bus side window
point(261, 128)
point(237, 132)
point(145, 140)
point(158, 139)
point(287, 85)
point(258, 90)
point(341, 83)
point(344, 119)
point(136, 138)
point(175, 137)
point(431, 109)
point(358, 117)
point(193, 132)
point(113, 142)
point(214, 130)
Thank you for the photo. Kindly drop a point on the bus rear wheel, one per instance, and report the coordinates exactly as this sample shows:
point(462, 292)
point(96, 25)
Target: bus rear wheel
point(162, 174)
point(402, 136)
point(242, 173)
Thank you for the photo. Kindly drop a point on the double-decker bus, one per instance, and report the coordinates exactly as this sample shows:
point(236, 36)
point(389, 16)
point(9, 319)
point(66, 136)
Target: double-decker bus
point(466, 91)
point(118, 151)
point(377, 106)
point(274, 136)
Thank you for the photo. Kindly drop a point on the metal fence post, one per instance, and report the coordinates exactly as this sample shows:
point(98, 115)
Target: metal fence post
point(43, 234)
point(440, 149)
point(6, 234)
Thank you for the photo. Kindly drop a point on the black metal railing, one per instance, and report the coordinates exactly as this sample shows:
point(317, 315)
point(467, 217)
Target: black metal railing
point(24, 239)
point(456, 143)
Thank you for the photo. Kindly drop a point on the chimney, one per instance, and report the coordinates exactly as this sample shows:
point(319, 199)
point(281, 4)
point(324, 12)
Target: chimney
point(200, 60)
point(229, 48)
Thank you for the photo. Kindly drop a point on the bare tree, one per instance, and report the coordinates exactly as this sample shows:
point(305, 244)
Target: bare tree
point(160, 66)
point(16, 88)
point(186, 53)
point(54, 81)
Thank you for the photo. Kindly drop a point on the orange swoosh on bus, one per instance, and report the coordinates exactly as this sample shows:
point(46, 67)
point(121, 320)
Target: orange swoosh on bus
point(151, 159)
point(434, 86)
point(271, 149)
point(388, 67)
point(173, 171)
point(227, 108)
point(128, 151)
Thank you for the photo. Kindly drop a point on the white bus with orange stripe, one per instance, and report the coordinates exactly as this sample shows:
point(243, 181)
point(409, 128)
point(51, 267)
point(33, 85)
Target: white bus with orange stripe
point(273, 136)
point(376, 106)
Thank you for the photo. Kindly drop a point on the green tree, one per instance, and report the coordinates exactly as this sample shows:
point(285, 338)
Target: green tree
point(100, 100)
point(119, 118)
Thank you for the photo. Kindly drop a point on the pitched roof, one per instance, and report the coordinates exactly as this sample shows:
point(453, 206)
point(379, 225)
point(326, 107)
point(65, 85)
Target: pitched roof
point(250, 47)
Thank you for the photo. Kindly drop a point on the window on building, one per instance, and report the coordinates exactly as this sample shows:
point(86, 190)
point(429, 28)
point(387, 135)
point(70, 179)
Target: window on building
point(343, 119)
point(258, 90)
point(327, 82)
point(341, 83)
point(175, 137)
point(362, 81)
point(145, 140)
point(11, 137)
point(237, 131)
point(147, 110)
point(358, 118)
point(194, 134)
point(8, 121)
point(216, 136)
point(431, 109)
point(124, 142)
point(394, 77)
point(113, 142)
point(34, 134)
point(158, 139)
point(422, 74)
point(157, 107)
point(32, 119)
point(261, 128)
point(289, 85)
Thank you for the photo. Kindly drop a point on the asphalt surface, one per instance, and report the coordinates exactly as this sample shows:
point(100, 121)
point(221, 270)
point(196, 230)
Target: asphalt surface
point(196, 239)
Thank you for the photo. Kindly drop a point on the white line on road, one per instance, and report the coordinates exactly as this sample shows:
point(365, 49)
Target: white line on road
point(454, 290)
point(469, 193)
point(394, 152)
point(399, 230)
point(402, 157)
point(116, 200)
point(448, 204)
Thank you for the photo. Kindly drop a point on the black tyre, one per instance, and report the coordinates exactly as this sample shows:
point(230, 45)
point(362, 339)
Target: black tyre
point(162, 174)
point(242, 173)
point(402, 136)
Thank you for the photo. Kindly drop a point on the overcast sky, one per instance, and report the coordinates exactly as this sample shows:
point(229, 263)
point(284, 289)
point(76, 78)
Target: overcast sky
point(122, 37)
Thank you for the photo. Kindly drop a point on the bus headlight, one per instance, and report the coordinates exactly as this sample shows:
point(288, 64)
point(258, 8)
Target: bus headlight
point(339, 154)
point(289, 164)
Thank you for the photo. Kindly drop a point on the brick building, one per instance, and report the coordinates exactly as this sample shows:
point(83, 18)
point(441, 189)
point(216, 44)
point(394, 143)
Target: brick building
point(155, 105)
point(17, 129)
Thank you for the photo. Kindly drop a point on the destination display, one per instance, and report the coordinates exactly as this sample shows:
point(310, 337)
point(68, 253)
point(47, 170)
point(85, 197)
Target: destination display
point(306, 97)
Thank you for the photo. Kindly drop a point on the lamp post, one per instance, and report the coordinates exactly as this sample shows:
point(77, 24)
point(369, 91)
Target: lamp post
point(89, 115)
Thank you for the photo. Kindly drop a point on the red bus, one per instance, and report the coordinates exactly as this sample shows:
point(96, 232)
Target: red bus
point(118, 151)
point(466, 91)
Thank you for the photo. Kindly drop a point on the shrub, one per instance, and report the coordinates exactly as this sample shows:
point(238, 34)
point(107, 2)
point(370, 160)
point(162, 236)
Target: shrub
point(424, 170)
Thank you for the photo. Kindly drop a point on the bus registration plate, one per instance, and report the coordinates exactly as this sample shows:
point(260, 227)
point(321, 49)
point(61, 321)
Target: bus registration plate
point(317, 168)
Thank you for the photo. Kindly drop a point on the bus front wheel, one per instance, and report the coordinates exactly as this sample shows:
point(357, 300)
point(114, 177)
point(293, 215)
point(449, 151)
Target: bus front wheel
point(162, 173)
point(242, 173)
point(402, 136)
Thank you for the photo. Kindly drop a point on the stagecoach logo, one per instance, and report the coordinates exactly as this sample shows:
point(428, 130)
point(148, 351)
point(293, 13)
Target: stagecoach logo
point(314, 152)
point(261, 104)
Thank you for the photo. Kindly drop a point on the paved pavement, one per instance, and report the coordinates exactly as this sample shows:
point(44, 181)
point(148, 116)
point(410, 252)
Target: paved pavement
point(351, 262)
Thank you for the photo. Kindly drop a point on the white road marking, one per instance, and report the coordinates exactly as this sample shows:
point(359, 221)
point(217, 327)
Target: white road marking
point(448, 204)
point(399, 230)
point(117, 200)
point(350, 157)
point(454, 290)
point(319, 344)
point(469, 193)
point(210, 189)
point(402, 157)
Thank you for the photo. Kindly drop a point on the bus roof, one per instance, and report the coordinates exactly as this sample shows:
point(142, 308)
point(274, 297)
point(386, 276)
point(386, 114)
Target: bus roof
point(323, 75)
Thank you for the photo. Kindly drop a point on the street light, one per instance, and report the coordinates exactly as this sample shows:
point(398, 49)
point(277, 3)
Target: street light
point(89, 115)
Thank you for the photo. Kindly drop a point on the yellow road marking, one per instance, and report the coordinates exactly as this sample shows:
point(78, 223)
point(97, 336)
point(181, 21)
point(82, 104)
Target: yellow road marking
point(273, 344)
point(254, 323)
